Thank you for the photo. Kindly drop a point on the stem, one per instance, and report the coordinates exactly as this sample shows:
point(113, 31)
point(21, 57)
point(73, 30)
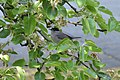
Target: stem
point(2, 11)
point(77, 23)
point(40, 68)
point(44, 36)
point(71, 6)
point(79, 60)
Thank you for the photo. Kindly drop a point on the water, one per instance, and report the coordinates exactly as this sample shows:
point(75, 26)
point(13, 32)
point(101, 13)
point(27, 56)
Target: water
point(110, 43)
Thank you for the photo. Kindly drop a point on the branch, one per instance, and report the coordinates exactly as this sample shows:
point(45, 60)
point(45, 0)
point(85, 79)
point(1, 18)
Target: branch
point(77, 23)
point(39, 31)
point(2, 11)
point(42, 65)
point(40, 68)
point(104, 30)
point(71, 6)
point(79, 60)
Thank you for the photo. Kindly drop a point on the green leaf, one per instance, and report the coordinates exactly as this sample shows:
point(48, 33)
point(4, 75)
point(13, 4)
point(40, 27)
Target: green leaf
point(93, 3)
point(21, 9)
point(90, 73)
point(89, 25)
point(8, 20)
point(4, 33)
point(3, 1)
point(95, 49)
point(80, 3)
point(51, 46)
point(104, 76)
point(39, 76)
point(69, 78)
point(62, 11)
point(92, 26)
point(77, 44)
point(46, 36)
point(81, 76)
point(90, 43)
point(58, 76)
point(64, 45)
point(53, 63)
point(105, 10)
point(4, 58)
point(98, 64)
point(46, 2)
point(18, 39)
point(19, 30)
point(85, 24)
point(33, 64)
point(70, 65)
point(36, 5)
point(64, 55)
point(20, 73)
point(2, 23)
point(9, 78)
point(71, 13)
point(20, 62)
point(96, 34)
point(29, 24)
point(52, 13)
point(42, 27)
point(83, 52)
point(10, 13)
point(39, 53)
point(101, 22)
point(15, 11)
point(63, 66)
point(13, 52)
point(92, 9)
point(54, 57)
point(112, 24)
point(33, 54)
point(118, 27)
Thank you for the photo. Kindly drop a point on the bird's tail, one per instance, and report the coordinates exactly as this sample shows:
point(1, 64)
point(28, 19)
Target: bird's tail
point(75, 37)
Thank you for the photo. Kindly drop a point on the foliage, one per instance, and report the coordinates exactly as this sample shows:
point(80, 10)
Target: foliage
point(25, 21)
point(14, 73)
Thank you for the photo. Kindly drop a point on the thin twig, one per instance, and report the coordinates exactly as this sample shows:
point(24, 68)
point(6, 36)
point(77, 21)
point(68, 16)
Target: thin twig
point(79, 61)
point(77, 23)
point(3, 11)
point(71, 6)
point(43, 35)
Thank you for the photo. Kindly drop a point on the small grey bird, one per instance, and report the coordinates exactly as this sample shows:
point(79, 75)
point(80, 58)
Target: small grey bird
point(57, 35)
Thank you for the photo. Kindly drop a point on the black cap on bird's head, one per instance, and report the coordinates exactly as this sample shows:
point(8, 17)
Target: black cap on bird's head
point(54, 29)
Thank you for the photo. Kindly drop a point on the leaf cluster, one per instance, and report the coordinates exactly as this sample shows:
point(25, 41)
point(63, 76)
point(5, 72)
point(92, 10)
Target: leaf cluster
point(28, 22)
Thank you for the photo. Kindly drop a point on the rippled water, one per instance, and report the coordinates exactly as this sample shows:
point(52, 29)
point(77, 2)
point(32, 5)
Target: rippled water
point(110, 43)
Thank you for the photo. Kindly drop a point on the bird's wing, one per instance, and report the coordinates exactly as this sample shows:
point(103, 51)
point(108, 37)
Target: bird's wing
point(61, 35)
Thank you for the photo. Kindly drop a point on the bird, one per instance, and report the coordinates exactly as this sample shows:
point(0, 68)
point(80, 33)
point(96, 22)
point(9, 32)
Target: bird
point(58, 35)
